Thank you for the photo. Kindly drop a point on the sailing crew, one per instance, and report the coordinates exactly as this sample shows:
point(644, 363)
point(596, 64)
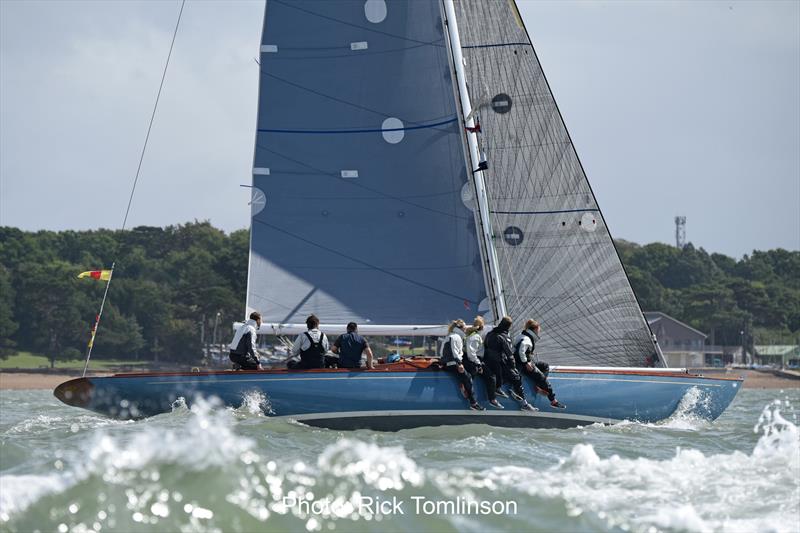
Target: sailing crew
point(453, 360)
point(524, 346)
point(350, 346)
point(243, 346)
point(311, 346)
point(498, 360)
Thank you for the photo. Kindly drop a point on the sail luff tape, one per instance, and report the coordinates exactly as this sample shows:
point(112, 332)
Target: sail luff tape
point(269, 48)
point(349, 173)
point(260, 171)
point(360, 45)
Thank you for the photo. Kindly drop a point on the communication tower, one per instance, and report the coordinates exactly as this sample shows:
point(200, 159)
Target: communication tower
point(680, 231)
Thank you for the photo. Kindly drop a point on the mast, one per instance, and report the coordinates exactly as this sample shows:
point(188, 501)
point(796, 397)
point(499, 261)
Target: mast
point(495, 287)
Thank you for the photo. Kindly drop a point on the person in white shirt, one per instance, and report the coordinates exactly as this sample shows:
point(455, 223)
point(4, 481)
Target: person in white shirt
point(453, 359)
point(311, 346)
point(243, 346)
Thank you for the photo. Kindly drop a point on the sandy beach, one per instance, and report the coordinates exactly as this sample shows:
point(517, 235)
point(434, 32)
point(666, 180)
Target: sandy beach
point(753, 379)
point(22, 380)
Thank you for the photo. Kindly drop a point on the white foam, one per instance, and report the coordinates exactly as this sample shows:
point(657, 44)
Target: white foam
point(19, 492)
point(381, 467)
point(688, 492)
point(204, 439)
point(256, 403)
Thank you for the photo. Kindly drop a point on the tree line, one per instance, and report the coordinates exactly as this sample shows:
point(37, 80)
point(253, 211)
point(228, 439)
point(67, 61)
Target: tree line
point(171, 282)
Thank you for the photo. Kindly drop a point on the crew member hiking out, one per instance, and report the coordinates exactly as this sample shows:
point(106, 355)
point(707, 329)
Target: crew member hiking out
point(524, 346)
point(452, 358)
point(499, 361)
point(350, 346)
point(311, 346)
point(473, 348)
point(243, 346)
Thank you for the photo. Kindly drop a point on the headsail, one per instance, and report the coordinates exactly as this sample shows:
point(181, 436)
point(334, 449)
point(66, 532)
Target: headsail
point(359, 169)
point(557, 260)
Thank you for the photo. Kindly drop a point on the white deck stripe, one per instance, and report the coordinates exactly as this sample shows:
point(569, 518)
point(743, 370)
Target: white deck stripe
point(636, 381)
point(433, 376)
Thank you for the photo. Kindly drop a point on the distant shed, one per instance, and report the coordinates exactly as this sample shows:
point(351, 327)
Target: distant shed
point(782, 355)
point(681, 344)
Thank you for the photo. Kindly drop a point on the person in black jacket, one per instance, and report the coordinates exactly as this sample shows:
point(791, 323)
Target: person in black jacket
point(499, 363)
point(243, 346)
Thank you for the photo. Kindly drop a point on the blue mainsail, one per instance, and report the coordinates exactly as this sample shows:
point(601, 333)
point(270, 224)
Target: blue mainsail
point(361, 207)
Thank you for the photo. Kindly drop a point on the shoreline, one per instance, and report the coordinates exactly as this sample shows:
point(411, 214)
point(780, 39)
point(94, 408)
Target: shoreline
point(33, 380)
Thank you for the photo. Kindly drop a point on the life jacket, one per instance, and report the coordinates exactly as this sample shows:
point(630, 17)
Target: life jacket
point(529, 351)
point(447, 352)
point(314, 355)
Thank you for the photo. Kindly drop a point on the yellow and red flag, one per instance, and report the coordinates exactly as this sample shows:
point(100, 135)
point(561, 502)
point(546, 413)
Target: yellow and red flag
point(104, 275)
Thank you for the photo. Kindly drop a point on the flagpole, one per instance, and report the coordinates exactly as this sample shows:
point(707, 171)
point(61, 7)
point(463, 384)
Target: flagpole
point(97, 320)
point(135, 182)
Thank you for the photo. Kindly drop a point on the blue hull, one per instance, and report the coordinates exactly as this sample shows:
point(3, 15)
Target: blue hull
point(392, 400)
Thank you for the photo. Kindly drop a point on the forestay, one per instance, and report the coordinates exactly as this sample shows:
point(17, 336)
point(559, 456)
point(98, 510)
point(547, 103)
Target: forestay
point(359, 167)
point(557, 259)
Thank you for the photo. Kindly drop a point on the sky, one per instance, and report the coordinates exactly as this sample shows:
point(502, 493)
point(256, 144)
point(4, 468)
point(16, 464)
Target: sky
point(675, 108)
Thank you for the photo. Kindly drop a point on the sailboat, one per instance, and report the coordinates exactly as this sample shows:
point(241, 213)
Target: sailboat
point(411, 167)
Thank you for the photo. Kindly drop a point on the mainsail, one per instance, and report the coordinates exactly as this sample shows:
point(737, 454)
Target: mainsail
point(556, 257)
point(361, 204)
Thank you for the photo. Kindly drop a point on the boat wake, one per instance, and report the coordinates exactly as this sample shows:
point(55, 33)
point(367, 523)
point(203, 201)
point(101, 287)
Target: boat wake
point(201, 468)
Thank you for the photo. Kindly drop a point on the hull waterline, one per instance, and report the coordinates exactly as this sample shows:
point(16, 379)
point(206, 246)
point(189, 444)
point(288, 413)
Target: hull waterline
point(391, 399)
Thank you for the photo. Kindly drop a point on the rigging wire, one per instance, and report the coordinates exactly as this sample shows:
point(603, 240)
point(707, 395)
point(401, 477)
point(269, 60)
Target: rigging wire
point(133, 187)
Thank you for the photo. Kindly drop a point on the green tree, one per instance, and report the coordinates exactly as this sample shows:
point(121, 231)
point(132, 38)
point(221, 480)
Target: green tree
point(54, 314)
point(7, 325)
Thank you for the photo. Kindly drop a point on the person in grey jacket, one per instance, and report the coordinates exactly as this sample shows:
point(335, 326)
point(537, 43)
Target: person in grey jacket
point(243, 346)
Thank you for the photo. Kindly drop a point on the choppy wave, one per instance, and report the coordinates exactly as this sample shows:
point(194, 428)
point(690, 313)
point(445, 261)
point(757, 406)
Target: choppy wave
point(691, 491)
point(210, 468)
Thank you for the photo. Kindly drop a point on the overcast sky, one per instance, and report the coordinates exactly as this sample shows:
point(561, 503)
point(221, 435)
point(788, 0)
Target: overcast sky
point(676, 108)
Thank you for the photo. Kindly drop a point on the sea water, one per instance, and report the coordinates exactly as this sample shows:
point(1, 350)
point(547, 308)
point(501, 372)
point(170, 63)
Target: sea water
point(210, 468)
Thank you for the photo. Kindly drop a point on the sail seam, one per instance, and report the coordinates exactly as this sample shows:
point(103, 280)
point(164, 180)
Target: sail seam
point(545, 212)
point(370, 130)
point(495, 45)
point(344, 22)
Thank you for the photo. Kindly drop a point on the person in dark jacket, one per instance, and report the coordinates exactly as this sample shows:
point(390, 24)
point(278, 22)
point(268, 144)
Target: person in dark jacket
point(498, 360)
point(524, 346)
point(243, 346)
point(350, 346)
